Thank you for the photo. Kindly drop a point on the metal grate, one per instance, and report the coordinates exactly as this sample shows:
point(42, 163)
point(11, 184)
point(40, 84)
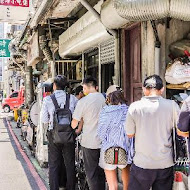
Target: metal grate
point(70, 68)
point(107, 52)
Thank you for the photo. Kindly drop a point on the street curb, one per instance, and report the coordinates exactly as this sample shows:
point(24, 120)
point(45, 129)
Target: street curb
point(31, 168)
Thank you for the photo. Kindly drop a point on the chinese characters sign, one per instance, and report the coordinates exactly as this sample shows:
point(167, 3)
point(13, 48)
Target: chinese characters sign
point(14, 11)
point(4, 48)
point(17, 3)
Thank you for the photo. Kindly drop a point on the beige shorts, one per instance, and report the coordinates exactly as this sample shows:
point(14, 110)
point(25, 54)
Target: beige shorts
point(106, 166)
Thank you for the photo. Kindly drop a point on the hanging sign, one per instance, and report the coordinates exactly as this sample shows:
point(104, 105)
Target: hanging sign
point(4, 48)
point(16, 3)
point(14, 11)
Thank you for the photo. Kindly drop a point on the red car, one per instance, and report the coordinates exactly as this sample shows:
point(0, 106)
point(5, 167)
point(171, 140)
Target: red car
point(13, 101)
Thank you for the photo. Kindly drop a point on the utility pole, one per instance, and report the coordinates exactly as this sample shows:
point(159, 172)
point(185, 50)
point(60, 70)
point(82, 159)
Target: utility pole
point(29, 91)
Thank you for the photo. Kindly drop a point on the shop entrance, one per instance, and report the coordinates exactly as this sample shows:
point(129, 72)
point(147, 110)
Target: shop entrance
point(132, 64)
point(107, 76)
point(91, 64)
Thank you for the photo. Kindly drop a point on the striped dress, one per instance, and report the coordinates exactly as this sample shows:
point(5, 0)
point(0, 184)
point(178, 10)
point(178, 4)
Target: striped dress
point(111, 129)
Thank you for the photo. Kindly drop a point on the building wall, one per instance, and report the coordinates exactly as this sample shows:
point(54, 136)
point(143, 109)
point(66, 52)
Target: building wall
point(168, 33)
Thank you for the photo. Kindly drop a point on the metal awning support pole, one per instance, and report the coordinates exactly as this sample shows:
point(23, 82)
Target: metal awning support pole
point(99, 71)
point(114, 33)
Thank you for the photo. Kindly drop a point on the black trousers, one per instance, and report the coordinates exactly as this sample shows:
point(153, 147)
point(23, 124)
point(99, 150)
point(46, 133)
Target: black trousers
point(95, 174)
point(144, 179)
point(61, 158)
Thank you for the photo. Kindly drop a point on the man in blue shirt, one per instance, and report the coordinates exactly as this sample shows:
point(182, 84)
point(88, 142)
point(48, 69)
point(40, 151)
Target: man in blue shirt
point(57, 153)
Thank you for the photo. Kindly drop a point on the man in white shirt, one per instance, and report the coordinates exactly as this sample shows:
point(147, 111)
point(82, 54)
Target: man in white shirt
point(151, 121)
point(88, 108)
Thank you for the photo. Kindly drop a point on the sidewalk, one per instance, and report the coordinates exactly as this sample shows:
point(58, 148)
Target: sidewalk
point(17, 157)
point(43, 172)
point(12, 175)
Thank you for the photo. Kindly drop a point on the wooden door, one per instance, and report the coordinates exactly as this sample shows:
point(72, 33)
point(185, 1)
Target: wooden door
point(132, 64)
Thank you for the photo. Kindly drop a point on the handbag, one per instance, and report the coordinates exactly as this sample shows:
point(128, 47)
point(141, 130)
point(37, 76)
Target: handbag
point(115, 156)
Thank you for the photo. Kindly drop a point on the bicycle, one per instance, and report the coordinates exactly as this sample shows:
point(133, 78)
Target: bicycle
point(80, 171)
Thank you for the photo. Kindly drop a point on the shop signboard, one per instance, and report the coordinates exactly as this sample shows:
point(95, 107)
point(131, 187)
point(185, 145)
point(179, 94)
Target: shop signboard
point(16, 3)
point(14, 11)
point(4, 48)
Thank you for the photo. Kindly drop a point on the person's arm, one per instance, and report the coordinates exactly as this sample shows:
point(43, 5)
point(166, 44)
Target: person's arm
point(183, 126)
point(74, 123)
point(130, 125)
point(131, 136)
point(77, 115)
point(44, 112)
point(182, 134)
point(80, 126)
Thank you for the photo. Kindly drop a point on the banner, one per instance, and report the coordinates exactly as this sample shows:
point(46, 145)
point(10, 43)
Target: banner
point(17, 3)
point(4, 48)
point(14, 11)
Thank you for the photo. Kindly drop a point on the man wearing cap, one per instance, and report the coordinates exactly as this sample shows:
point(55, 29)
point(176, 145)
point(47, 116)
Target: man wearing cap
point(151, 121)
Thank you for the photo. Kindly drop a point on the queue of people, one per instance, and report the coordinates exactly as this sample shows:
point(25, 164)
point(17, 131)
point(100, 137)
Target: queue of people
point(136, 139)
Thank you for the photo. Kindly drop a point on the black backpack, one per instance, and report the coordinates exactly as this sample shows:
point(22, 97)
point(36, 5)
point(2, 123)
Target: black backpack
point(62, 131)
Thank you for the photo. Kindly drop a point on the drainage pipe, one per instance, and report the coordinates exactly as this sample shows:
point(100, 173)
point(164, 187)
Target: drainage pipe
point(157, 49)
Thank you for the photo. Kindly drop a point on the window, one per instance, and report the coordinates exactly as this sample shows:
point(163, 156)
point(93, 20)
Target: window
point(92, 62)
point(14, 95)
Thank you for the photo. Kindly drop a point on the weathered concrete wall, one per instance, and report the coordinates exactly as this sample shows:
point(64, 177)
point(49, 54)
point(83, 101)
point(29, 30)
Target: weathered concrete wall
point(147, 49)
point(177, 30)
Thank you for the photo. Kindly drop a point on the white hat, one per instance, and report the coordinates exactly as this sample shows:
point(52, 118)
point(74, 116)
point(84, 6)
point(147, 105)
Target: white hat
point(111, 89)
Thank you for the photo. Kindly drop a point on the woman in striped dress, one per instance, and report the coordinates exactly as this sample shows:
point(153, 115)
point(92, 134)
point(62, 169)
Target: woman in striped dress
point(112, 134)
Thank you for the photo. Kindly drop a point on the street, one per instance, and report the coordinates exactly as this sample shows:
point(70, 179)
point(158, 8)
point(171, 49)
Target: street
point(17, 172)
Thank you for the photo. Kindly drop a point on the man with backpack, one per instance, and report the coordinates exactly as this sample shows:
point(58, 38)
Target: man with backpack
point(88, 109)
point(57, 110)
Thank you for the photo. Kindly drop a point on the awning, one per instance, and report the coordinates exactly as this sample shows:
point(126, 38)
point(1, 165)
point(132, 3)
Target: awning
point(87, 32)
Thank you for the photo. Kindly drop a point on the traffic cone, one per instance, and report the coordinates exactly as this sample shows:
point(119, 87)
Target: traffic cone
point(178, 182)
